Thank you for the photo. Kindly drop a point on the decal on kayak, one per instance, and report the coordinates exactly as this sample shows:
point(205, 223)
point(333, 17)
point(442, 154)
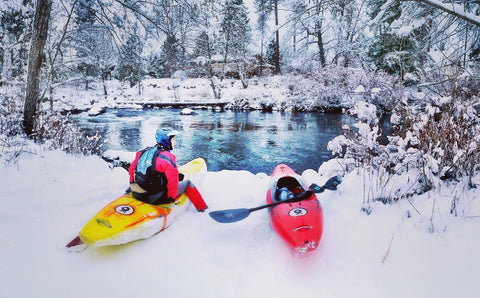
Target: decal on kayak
point(297, 212)
point(308, 245)
point(124, 209)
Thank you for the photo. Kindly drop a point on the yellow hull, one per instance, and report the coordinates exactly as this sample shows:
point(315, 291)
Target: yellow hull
point(127, 219)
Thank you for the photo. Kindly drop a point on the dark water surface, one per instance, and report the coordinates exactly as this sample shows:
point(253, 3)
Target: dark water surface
point(254, 141)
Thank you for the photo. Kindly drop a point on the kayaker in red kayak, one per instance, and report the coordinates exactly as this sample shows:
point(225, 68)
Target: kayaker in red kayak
point(154, 177)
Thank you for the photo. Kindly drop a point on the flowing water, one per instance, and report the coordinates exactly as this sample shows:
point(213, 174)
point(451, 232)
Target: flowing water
point(254, 141)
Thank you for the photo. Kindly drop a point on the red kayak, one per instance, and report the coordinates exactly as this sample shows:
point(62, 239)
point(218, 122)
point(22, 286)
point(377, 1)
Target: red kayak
point(300, 223)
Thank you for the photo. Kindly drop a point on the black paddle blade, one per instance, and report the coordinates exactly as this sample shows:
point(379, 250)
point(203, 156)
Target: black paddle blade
point(331, 184)
point(230, 215)
point(316, 189)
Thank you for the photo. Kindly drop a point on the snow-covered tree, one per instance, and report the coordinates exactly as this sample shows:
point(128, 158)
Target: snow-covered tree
point(173, 22)
point(130, 64)
point(35, 54)
point(171, 57)
point(235, 30)
point(207, 40)
point(395, 47)
point(86, 40)
point(15, 18)
point(271, 52)
point(263, 9)
point(309, 24)
point(349, 24)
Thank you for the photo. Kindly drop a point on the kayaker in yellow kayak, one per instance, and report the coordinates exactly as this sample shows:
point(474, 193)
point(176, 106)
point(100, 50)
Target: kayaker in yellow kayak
point(154, 177)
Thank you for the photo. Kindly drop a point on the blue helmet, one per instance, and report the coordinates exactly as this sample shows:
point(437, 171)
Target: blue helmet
point(164, 136)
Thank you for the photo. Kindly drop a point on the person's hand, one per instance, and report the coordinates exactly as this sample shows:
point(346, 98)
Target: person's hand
point(304, 195)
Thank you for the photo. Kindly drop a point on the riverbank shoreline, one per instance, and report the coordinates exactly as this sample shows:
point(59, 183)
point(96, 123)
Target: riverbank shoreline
point(331, 90)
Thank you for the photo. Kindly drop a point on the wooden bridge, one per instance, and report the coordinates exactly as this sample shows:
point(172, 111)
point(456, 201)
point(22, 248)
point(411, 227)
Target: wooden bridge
point(182, 105)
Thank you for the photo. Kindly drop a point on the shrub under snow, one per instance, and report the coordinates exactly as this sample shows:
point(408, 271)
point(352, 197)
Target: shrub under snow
point(439, 140)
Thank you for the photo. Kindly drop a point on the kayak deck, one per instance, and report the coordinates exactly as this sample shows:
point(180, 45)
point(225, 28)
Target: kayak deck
point(300, 223)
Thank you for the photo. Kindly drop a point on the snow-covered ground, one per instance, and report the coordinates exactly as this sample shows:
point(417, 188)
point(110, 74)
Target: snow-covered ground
point(414, 248)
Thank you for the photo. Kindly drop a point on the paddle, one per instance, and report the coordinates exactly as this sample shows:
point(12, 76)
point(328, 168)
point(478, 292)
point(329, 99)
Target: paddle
point(233, 215)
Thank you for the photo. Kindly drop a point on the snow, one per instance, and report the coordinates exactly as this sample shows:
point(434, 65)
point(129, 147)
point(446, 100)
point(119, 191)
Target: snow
point(96, 110)
point(413, 248)
point(187, 111)
point(359, 89)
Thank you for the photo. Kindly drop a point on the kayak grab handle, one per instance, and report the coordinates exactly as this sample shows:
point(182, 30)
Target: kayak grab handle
point(103, 222)
point(302, 228)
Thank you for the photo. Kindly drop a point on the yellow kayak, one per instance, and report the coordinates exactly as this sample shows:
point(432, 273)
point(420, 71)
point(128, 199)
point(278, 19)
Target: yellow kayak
point(127, 219)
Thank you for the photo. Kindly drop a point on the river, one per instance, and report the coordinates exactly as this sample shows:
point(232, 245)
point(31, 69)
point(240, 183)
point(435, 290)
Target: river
point(231, 140)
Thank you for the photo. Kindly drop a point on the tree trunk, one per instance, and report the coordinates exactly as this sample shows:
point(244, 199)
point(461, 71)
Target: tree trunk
point(261, 59)
point(104, 84)
point(35, 56)
point(277, 41)
point(321, 49)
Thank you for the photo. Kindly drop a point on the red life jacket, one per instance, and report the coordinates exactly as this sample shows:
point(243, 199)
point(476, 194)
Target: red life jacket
point(148, 176)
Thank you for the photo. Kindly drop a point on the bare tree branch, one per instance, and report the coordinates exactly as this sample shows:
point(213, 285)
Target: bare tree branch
point(453, 9)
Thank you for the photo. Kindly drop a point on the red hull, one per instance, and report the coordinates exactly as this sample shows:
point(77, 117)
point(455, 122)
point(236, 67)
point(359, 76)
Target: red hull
point(300, 224)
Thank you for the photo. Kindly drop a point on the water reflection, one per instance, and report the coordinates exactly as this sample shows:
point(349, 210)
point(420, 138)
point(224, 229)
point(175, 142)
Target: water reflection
point(253, 141)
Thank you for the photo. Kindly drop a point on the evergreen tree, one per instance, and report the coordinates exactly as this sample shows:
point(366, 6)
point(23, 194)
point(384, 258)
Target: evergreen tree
point(171, 58)
point(207, 42)
point(175, 20)
point(155, 66)
point(398, 46)
point(235, 30)
point(270, 56)
point(130, 66)
point(393, 53)
point(202, 45)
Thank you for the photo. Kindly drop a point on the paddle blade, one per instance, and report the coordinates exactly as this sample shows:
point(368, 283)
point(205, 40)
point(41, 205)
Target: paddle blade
point(230, 215)
point(331, 184)
point(316, 189)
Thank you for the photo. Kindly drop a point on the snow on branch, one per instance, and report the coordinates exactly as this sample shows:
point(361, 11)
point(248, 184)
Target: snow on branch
point(453, 9)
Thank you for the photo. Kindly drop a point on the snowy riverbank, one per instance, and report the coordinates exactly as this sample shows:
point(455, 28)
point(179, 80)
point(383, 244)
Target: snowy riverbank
point(414, 247)
point(328, 89)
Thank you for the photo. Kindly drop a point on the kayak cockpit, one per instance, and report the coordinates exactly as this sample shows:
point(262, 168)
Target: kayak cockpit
point(286, 188)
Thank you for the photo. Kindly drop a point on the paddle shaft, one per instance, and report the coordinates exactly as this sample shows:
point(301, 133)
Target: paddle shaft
point(233, 215)
point(300, 197)
point(276, 203)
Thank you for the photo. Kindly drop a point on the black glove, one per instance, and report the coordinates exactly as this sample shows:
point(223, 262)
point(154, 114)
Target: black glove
point(303, 195)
